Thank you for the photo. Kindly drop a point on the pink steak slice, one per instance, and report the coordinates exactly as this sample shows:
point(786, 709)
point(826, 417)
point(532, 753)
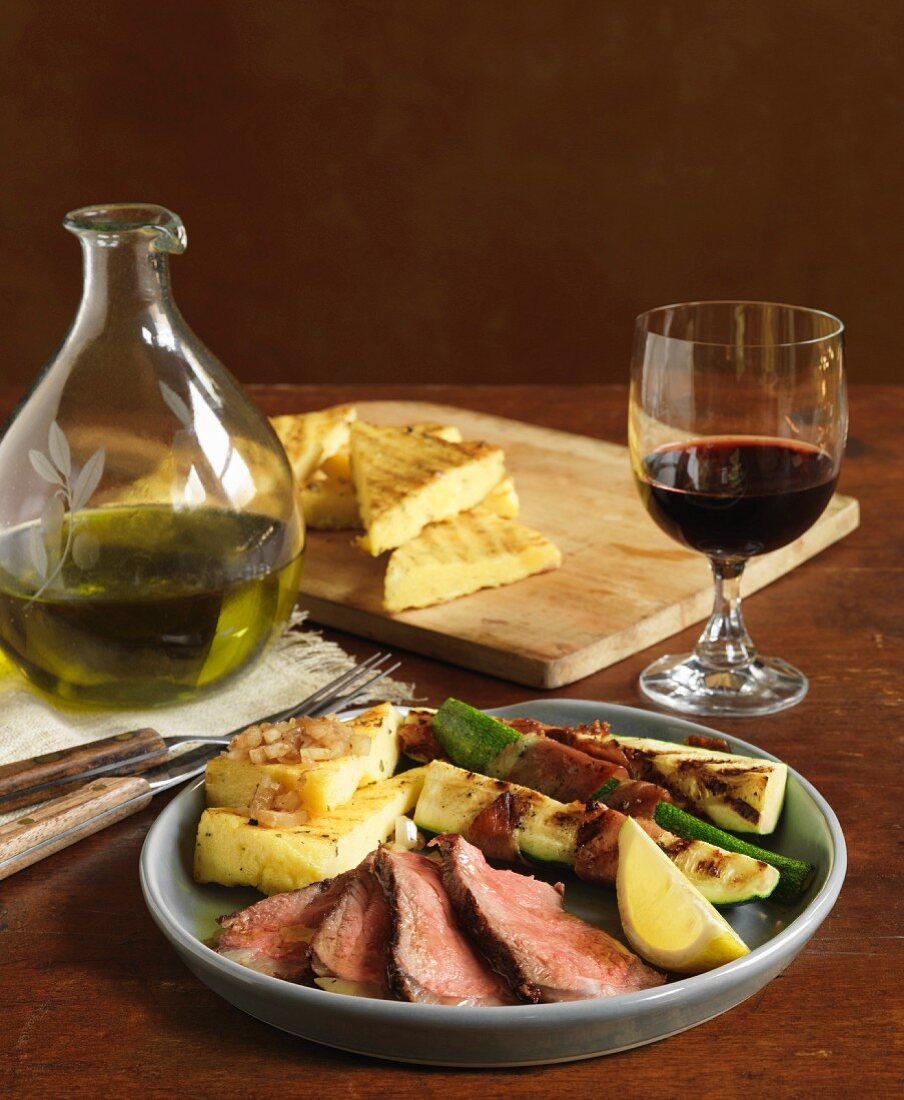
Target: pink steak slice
point(430, 959)
point(522, 928)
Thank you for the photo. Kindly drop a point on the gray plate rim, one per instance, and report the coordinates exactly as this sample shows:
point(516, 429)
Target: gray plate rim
point(773, 955)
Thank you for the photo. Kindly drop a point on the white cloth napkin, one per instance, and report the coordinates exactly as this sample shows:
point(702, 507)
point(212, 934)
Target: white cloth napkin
point(298, 663)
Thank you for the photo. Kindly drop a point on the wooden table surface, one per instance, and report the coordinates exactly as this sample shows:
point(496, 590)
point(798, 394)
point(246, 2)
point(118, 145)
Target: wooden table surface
point(95, 1002)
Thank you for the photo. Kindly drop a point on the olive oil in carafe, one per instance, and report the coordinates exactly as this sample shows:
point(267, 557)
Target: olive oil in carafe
point(144, 605)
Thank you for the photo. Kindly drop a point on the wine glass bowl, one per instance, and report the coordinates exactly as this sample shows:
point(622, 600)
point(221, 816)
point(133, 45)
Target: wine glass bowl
point(737, 425)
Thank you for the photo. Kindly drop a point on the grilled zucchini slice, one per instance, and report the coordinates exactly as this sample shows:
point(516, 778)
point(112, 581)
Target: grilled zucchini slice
point(741, 793)
point(794, 874)
point(451, 798)
point(471, 738)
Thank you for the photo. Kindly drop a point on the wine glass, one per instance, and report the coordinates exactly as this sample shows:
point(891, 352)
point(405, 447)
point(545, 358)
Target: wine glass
point(737, 425)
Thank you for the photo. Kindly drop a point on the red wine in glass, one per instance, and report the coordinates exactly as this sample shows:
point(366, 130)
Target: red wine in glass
point(736, 426)
point(737, 497)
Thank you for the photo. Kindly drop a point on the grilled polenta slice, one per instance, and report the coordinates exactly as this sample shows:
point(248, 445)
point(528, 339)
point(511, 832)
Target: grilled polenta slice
point(329, 503)
point(406, 479)
point(321, 785)
point(231, 851)
point(449, 432)
point(328, 498)
point(474, 550)
point(311, 438)
point(503, 499)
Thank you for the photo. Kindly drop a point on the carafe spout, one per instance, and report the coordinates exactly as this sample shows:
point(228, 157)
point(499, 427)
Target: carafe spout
point(110, 224)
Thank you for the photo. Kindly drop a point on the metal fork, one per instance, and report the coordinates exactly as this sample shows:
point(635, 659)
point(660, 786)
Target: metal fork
point(108, 797)
point(28, 781)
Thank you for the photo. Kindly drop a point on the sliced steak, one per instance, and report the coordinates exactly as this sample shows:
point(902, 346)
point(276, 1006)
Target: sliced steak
point(520, 926)
point(272, 935)
point(352, 941)
point(430, 959)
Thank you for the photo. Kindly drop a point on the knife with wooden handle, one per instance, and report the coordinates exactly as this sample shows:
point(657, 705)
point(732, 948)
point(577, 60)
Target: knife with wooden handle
point(27, 781)
point(97, 804)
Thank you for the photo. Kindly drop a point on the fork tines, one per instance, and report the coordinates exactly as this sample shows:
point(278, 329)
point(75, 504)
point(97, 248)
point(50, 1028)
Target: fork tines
point(340, 691)
point(339, 702)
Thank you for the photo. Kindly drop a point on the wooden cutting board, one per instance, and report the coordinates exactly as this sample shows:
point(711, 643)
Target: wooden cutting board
point(623, 584)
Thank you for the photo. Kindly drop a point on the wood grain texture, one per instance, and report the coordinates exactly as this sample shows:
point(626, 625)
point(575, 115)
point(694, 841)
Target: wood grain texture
point(623, 584)
point(68, 819)
point(22, 782)
point(95, 1002)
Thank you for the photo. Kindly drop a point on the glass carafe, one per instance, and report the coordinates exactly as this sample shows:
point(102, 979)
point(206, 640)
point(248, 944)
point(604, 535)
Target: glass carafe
point(150, 542)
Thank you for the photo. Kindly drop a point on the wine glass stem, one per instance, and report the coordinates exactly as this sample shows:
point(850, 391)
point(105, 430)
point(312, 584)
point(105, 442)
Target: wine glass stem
point(725, 643)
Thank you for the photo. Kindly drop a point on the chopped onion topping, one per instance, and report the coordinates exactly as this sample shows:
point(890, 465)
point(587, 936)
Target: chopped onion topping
point(297, 741)
point(361, 744)
point(275, 805)
point(351, 989)
point(406, 835)
point(275, 819)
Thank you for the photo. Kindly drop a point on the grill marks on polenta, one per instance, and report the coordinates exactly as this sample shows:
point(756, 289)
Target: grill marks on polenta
point(441, 507)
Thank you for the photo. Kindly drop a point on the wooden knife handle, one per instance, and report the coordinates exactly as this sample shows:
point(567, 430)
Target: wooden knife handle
point(17, 780)
point(65, 820)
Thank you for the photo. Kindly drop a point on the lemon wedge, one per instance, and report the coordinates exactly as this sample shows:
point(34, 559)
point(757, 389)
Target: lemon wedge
point(665, 918)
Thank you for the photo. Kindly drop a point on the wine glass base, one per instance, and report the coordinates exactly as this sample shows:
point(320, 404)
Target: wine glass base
point(684, 683)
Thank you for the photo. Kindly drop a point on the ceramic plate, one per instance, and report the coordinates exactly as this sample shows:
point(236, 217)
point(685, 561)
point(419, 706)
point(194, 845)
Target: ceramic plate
point(506, 1036)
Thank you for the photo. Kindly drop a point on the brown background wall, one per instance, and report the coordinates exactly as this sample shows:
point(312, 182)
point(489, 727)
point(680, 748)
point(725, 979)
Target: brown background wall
point(470, 190)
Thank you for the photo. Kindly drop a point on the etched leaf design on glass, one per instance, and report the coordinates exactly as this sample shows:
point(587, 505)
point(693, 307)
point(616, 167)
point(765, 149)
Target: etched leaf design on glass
point(176, 405)
point(85, 550)
point(45, 468)
point(87, 480)
point(38, 553)
point(58, 446)
point(52, 521)
point(46, 535)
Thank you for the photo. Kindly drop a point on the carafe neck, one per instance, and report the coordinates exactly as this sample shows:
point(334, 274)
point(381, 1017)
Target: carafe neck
point(126, 266)
point(124, 275)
